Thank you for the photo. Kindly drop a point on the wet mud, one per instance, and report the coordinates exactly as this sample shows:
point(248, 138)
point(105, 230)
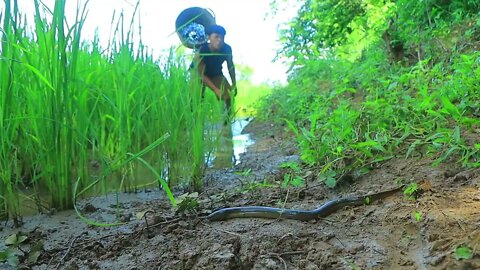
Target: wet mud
point(394, 233)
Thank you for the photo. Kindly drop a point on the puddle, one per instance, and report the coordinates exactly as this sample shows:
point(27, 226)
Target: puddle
point(240, 141)
point(232, 143)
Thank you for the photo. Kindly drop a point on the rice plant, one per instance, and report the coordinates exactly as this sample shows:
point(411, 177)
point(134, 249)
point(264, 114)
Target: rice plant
point(74, 114)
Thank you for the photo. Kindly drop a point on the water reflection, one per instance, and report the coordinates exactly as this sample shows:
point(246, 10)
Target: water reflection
point(231, 144)
point(224, 154)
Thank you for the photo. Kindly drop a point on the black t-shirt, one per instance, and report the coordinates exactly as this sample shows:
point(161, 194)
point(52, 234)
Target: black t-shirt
point(213, 60)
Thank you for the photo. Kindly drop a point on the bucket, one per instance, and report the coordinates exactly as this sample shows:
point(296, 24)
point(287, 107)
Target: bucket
point(191, 24)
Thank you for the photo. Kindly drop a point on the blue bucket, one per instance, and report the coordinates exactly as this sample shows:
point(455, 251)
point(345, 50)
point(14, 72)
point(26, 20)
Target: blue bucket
point(191, 24)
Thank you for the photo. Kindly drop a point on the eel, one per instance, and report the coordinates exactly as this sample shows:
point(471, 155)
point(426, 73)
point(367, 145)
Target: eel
point(304, 215)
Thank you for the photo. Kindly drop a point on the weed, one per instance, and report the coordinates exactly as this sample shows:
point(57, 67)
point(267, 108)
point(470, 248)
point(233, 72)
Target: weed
point(463, 252)
point(245, 172)
point(417, 216)
point(14, 252)
point(411, 191)
point(252, 186)
point(187, 202)
point(292, 176)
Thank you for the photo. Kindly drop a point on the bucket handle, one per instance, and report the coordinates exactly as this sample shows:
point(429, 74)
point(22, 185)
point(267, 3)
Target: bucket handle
point(212, 13)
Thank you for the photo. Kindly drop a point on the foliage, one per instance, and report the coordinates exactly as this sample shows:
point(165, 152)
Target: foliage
point(292, 176)
point(417, 216)
point(16, 251)
point(187, 202)
point(322, 25)
point(253, 185)
point(248, 96)
point(433, 28)
point(411, 190)
point(463, 252)
point(67, 104)
point(380, 86)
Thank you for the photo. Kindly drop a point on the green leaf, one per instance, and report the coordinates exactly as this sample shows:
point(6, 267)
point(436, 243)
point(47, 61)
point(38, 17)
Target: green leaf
point(297, 181)
point(463, 252)
point(411, 189)
point(13, 261)
point(417, 216)
point(33, 256)
point(4, 255)
point(35, 252)
point(37, 247)
point(450, 108)
point(291, 165)
point(330, 182)
point(412, 147)
point(12, 239)
point(367, 200)
point(456, 135)
point(15, 239)
point(39, 75)
point(187, 201)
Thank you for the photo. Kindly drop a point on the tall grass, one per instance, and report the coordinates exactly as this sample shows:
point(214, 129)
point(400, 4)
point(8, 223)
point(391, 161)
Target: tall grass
point(72, 111)
point(7, 126)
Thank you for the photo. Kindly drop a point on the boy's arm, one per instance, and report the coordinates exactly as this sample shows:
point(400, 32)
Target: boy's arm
point(231, 71)
point(206, 79)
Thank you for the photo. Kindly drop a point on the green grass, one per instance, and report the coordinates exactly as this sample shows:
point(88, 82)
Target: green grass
point(248, 96)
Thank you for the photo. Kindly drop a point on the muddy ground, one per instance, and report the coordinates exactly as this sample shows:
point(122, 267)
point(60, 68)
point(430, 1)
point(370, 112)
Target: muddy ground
point(383, 235)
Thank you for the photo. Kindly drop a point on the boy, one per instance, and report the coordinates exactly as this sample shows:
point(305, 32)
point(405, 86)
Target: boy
point(210, 59)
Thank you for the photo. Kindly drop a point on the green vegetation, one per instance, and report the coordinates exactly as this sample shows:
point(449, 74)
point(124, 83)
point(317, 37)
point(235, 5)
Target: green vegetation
point(463, 252)
point(292, 175)
point(417, 216)
point(18, 246)
point(77, 119)
point(249, 94)
point(411, 191)
point(372, 80)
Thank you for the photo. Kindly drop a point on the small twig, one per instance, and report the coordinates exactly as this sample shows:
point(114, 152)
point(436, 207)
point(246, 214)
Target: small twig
point(146, 220)
point(379, 252)
point(286, 198)
point(49, 262)
point(283, 237)
point(341, 243)
point(66, 253)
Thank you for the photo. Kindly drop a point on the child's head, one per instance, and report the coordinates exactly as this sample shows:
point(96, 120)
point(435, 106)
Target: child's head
point(216, 35)
point(215, 28)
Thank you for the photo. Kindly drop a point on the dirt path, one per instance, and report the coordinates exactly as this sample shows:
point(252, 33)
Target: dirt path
point(383, 235)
